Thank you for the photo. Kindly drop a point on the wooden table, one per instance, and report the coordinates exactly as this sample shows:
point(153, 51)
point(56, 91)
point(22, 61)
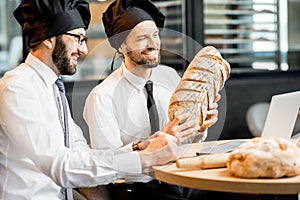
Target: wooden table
point(220, 180)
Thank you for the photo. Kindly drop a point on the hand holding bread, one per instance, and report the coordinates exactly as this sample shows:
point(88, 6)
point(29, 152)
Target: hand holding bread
point(181, 128)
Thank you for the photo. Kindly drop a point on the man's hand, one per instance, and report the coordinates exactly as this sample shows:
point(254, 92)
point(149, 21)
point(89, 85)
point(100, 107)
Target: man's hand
point(181, 127)
point(161, 149)
point(212, 115)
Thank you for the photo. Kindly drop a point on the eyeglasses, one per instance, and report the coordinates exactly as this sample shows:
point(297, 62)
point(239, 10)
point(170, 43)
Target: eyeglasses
point(80, 38)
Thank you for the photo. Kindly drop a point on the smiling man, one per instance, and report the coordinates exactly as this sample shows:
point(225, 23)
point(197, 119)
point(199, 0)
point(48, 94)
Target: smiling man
point(43, 153)
point(64, 59)
point(117, 110)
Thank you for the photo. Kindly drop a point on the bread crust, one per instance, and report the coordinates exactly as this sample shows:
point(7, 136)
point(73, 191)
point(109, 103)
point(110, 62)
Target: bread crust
point(201, 82)
point(265, 158)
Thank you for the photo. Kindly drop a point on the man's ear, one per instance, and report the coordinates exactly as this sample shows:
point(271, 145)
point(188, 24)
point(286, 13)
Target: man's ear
point(120, 49)
point(49, 43)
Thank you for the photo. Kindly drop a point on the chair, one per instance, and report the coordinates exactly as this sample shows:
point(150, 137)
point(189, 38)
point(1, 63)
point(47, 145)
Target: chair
point(77, 195)
point(95, 193)
point(255, 119)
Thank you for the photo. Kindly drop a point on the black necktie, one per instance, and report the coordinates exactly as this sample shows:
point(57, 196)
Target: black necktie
point(152, 109)
point(68, 192)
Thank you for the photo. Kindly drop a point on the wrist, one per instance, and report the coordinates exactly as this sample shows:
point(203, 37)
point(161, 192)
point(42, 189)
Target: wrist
point(136, 146)
point(146, 159)
point(140, 145)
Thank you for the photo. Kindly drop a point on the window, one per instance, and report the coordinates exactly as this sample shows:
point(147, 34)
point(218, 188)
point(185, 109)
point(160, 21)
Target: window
point(247, 32)
point(10, 36)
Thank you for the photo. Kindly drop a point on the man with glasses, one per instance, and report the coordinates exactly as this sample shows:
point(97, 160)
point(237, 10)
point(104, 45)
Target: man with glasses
point(42, 150)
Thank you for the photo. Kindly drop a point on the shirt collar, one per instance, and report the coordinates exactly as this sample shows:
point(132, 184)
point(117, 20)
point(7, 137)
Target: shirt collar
point(45, 72)
point(135, 81)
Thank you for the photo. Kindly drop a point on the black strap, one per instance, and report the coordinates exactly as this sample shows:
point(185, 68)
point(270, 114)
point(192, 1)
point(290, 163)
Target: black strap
point(152, 108)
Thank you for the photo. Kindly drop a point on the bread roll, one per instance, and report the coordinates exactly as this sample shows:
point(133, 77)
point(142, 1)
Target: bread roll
point(201, 82)
point(265, 158)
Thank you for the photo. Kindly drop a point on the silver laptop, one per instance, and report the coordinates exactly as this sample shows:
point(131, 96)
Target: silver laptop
point(282, 115)
point(280, 122)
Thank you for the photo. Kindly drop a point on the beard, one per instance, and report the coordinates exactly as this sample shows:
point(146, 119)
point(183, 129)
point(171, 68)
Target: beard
point(137, 57)
point(60, 58)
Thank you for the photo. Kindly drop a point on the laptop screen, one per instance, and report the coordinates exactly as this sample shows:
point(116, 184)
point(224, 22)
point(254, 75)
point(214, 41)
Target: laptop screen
point(282, 115)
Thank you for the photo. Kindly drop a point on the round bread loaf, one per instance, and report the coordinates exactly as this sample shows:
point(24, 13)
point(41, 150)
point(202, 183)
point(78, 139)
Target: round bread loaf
point(265, 158)
point(201, 82)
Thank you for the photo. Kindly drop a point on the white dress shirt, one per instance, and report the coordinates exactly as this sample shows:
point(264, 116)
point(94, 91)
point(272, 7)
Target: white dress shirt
point(34, 162)
point(116, 109)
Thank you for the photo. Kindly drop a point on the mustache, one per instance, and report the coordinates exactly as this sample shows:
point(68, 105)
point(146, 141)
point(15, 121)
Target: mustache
point(150, 49)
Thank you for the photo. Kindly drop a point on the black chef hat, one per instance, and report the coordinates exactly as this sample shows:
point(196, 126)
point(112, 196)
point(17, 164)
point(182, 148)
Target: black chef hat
point(123, 15)
point(42, 19)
